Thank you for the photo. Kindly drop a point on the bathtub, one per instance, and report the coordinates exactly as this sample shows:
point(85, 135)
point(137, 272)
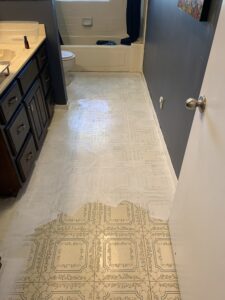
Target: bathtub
point(108, 23)
point(93, 58)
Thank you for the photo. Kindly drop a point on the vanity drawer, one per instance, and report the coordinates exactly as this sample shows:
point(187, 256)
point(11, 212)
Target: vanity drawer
point(9, 103)
point(27, 157)
point(45, 79)
point(17, 130)
point(42, 57)
point(28, 75)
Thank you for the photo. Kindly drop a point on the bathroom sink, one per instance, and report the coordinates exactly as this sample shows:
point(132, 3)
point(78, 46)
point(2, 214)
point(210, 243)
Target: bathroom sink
point(6, 55)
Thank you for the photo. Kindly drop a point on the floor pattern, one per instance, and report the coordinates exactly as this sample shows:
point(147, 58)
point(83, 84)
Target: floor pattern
point(101, 252)
point(105, 149)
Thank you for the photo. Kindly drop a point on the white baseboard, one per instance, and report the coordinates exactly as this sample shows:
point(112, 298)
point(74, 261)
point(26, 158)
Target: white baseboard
point(64, 106)
point(172, 171)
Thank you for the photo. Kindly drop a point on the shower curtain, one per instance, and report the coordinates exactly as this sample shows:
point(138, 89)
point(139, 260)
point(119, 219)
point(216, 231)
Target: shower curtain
point(133, 21)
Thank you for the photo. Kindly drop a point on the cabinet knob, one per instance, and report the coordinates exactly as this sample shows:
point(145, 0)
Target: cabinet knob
point(43, 57)
point(12, 100)
point(29, 156)
point(21, 128)
point(47, 79)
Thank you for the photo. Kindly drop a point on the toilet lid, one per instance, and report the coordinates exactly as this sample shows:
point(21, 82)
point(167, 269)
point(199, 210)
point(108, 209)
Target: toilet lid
point(66, 55)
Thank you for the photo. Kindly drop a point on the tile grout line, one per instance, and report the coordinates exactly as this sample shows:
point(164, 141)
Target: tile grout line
point(146, 256)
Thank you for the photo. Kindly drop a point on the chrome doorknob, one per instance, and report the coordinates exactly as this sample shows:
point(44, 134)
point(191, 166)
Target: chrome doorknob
point(192, 104)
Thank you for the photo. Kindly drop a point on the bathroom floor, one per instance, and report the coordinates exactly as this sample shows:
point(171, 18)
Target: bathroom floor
point(92, 222)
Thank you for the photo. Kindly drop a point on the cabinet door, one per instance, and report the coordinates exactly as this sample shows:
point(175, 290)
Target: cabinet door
point(37, 112)
point(34, 118)
point(50, 104)
point(46, 80)
point(42, 57)
point(42, 106)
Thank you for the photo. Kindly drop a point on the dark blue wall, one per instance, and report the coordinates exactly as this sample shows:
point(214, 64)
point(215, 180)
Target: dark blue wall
point(43, 12)
point(176, 55)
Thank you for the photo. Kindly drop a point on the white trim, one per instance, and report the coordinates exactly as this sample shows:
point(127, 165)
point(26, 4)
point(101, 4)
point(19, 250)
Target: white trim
point(119, 58)
point(64, 106)
point(165, 149)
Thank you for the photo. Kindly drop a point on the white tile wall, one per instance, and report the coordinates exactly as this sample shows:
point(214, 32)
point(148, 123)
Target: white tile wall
point(109, 17)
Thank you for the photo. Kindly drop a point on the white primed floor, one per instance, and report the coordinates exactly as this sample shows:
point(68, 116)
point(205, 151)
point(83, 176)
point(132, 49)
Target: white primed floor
point(104, 148)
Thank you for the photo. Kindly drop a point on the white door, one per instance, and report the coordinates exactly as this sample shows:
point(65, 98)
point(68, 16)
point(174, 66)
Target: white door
point(197, 222)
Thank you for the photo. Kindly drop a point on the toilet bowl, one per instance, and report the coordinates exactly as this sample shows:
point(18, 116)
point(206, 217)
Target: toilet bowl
point(68, 59)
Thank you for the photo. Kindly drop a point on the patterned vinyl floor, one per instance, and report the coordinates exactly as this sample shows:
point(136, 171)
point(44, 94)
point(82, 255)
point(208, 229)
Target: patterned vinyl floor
point(101, 252)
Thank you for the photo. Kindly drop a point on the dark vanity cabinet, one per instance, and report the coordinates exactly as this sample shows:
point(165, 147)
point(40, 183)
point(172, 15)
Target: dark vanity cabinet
point(26, 109)
point(37, 112)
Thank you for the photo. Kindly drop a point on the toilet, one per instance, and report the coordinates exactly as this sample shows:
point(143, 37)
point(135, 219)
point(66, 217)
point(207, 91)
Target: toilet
point(68, 59)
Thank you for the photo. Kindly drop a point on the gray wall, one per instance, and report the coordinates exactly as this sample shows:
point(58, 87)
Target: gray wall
point(176, 54)
point(44, 12)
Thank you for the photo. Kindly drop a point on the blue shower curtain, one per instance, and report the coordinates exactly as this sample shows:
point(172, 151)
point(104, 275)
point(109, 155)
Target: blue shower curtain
point(133, 21)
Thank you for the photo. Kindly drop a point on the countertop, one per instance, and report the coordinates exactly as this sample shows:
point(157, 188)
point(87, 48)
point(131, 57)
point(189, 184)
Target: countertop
point(22, 57)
